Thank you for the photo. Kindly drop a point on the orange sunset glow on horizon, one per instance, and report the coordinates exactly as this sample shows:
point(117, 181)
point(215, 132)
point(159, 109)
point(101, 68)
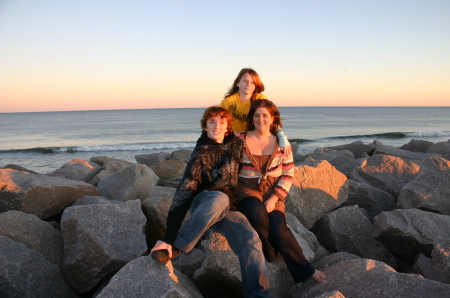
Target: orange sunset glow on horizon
point(127, 56)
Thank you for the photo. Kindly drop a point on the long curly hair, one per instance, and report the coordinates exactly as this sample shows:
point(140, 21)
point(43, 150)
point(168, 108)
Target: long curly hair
point(259, 86)
point(273, 110)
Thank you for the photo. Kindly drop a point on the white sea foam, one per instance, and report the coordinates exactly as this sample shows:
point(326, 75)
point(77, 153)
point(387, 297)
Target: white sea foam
point(428, 133)
point(160, 146)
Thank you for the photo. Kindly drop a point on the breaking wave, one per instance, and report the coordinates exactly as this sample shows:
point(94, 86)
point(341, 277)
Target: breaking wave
point(134, 147)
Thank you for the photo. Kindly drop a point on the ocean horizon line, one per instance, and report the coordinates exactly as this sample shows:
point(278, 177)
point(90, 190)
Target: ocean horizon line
point(143, 109)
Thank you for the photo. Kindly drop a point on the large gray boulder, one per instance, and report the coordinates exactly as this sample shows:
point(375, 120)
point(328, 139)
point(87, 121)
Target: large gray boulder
point(33, 232)
point(88, 200)
point(430, 190)
point(183, 154)
point(109, 169)
point(134, 182)
point(220, 273)
point(280, 280)
point(372, 199)
point(156, 209)
point(423, 266)
point(144, 277)
point(440, 259)
point(348, 230)
point(150, 159)
point(173, 182)
point(343, 160)
point(20, 169)
point(302, 242)
point(358, 148)
point(417, 146)
point(393, 151)
point(78, 169)
point(362, 278)
point(189, 262)
point(408, 232)
point(442, 148)
point(168, 169)
point(317, 187)
point(388, 173)
point(333, 259)
point(306, 239)
point(100, 239)
point(41, 195)
point(103, 160)
point(24, 272)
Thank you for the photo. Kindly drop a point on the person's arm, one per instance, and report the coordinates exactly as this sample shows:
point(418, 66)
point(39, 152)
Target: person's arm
point(184, 195)
point(283, 141)
point(284, 183)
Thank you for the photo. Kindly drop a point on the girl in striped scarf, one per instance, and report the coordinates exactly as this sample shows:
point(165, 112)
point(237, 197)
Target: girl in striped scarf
point(264, 182)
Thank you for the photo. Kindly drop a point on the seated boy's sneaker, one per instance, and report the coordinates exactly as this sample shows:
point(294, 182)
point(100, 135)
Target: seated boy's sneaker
point(175, 253)
point(161, 256)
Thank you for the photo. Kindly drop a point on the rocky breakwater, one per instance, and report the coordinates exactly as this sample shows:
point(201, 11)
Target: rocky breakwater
point(374, 218)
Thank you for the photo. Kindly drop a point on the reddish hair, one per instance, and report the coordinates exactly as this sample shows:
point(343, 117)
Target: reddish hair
point(259, 86)
point(273, 111)
point(214, 111)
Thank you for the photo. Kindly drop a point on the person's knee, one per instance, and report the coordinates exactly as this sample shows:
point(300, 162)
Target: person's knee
point(220, 200)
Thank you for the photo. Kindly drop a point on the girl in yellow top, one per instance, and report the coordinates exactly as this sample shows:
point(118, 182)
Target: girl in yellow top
point(246, 87)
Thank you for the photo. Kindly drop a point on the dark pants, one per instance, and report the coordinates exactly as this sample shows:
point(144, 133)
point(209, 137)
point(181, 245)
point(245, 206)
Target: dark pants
point(276, 236)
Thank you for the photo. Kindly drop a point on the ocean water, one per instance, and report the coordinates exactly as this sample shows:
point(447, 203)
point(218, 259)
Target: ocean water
point(43, 142)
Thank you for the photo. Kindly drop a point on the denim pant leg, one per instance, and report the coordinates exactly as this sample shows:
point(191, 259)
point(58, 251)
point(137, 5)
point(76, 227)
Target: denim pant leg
point(246, 244)
point(207, 208)
point(287, 245)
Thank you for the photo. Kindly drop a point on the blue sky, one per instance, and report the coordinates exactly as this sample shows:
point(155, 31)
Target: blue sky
point(82, 55)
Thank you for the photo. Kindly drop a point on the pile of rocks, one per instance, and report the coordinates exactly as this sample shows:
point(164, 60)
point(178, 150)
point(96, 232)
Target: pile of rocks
point(374, 218)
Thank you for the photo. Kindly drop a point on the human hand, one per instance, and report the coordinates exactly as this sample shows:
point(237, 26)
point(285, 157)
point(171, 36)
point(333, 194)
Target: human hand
point(160, 245)
point(270, 203)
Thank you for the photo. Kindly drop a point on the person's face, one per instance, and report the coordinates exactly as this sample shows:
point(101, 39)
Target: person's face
point(246, 84)
point(216, 128)
point(262, 119)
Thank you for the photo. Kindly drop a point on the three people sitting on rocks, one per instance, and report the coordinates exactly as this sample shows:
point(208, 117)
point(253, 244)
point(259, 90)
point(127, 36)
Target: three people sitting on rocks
point(208, 189)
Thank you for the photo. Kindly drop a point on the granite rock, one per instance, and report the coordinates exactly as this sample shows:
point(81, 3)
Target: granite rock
point(388, 173)
point(348, 230)
point(134, 182)
point(42, 195)
point(27, 273)
point(409, 232)
point(430, 190)
point(100, 239)
point(362, 278)
point(317, 188)
point(33, 232)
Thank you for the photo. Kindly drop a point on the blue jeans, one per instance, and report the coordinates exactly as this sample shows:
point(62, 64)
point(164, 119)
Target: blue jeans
point(208, 207)
point(245, 242)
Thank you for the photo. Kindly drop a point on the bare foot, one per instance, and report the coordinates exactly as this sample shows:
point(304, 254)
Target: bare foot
point(319, 276)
